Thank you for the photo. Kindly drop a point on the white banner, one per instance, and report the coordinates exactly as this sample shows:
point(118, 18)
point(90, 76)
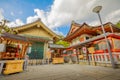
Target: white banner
point(2, 47)
point(84, 49)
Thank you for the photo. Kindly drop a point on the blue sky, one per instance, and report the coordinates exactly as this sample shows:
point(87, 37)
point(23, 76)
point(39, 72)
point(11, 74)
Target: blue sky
point(21, 9)
point(58, 14)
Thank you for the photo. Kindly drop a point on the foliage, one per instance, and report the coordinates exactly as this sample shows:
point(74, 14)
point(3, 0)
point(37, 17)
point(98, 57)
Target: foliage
point(7, 29)
point(118, 24)
point(64, 43)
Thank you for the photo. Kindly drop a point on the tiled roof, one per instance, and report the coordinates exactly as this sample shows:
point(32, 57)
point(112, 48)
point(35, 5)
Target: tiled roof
point(56, 46)
point(37, 38)
point(33, 24)
point(13, 36)
point(91, 28)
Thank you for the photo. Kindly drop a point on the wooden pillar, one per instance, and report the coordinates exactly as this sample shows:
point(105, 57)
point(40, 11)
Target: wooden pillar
point(24, 48)
point(111, 28)
point(87, 57)
point(45, 49)
point(93, 60)
point(92, 51)
point(77, 54)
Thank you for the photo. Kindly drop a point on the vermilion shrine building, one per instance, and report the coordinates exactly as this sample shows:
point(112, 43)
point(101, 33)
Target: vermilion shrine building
point(87, 43)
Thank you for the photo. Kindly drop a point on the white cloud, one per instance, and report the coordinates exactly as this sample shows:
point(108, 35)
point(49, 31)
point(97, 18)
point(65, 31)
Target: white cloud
point(39, 14)
point(1, 14)
point(113, 16)
point(32, 19)
point(94, 23)
point(17, 22)
point(60, 13)
point(63, 12)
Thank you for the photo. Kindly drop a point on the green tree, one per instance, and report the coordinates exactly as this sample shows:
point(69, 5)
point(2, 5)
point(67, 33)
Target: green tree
point(5, 28)
point(118, 24)
point(64, 43)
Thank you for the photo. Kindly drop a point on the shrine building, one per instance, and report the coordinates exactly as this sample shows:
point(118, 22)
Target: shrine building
point(39, 35)
point(88, 44)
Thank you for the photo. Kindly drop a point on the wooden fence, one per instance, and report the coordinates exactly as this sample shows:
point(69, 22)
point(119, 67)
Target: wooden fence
point(95, 59)
point(37, 61)
point(105, 58)
point(102, 59)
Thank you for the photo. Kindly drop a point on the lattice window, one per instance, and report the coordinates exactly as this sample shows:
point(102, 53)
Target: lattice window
point(102, 46)
point(116, 43)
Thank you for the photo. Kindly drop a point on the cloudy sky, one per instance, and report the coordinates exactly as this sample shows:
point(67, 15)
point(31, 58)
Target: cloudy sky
point(58, 14)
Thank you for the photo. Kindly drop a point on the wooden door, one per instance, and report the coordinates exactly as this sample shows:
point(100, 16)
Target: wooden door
point(37, 50)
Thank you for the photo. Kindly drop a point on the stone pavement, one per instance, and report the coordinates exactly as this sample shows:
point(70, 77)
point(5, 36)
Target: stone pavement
point(65, 72)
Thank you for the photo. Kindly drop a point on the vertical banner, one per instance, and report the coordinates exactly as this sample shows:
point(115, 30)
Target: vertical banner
point(2, 47)
point(84, 49)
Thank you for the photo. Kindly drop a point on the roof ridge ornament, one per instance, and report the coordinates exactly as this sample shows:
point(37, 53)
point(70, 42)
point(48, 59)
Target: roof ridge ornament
point(73, 22)
point(39, 19)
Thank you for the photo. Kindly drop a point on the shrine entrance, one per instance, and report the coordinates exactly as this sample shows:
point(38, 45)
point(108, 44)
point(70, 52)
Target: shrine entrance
point(37, 50)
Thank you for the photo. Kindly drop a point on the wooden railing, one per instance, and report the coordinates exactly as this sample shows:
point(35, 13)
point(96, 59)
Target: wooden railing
point(101, 58)
point(104, 58)
point(37, 61)
point(98, 58)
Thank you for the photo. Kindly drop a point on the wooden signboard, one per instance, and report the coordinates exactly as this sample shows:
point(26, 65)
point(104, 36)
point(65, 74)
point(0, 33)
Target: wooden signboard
point(91, 50)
